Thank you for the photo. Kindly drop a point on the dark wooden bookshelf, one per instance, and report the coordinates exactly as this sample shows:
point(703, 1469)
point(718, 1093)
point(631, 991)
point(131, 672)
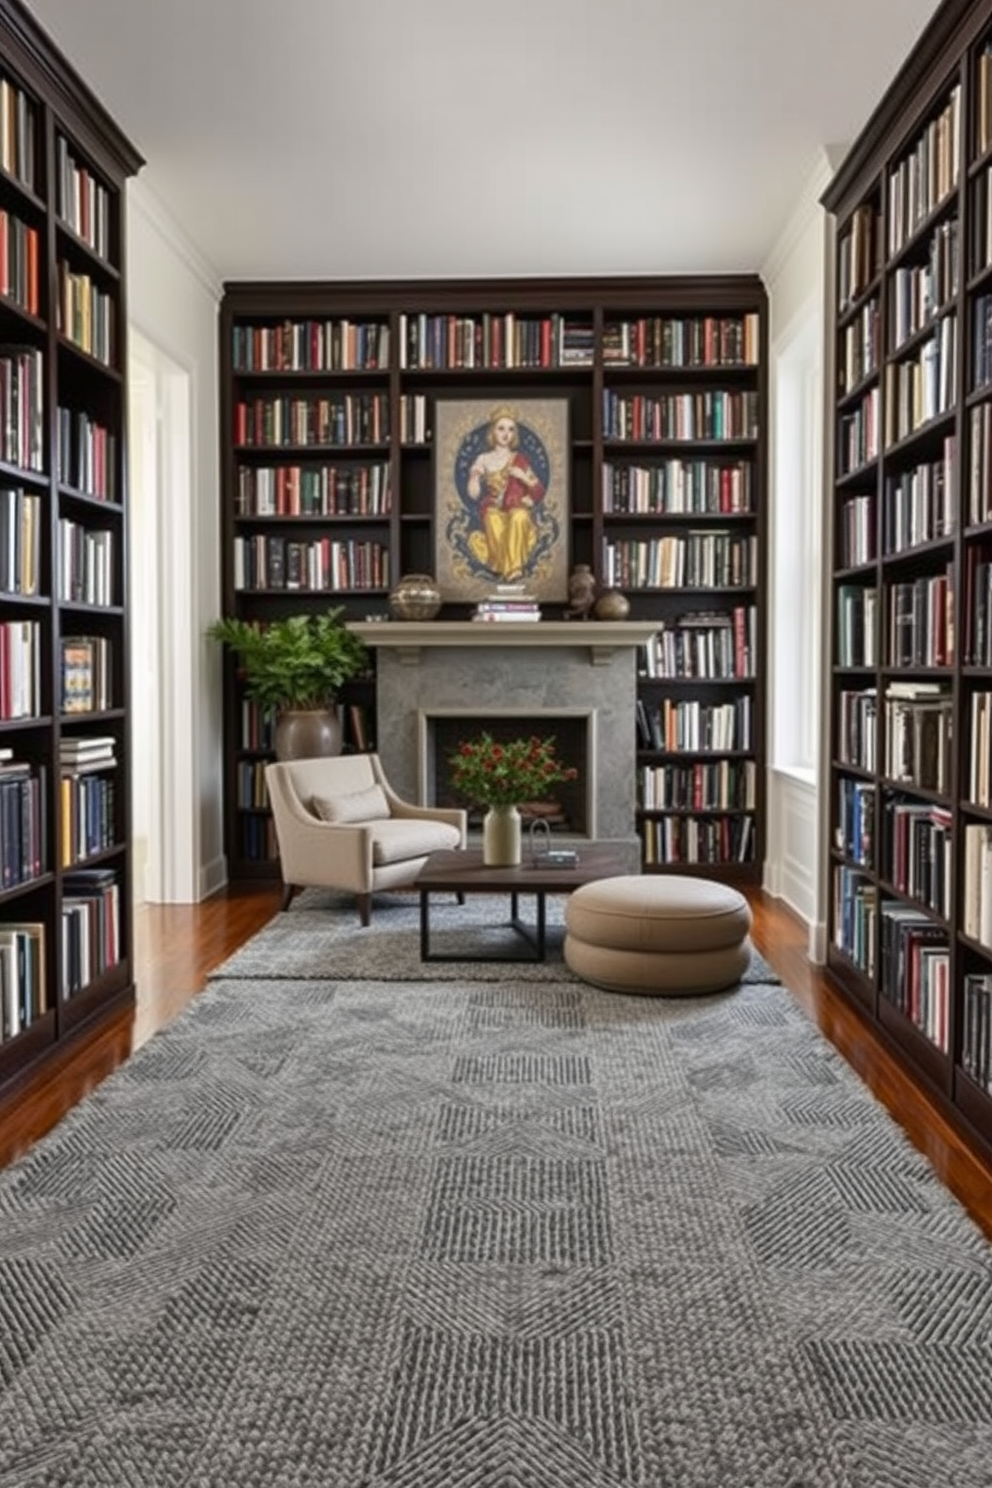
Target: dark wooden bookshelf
point(63, 570)
point(902, 953)
point(601, 308)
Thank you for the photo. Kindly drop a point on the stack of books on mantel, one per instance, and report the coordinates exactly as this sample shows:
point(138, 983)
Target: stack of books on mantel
point(508, 602)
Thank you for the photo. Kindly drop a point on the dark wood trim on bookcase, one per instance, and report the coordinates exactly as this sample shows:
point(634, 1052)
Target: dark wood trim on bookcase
point(921, 984)
point(596, 302)
point(54, 999)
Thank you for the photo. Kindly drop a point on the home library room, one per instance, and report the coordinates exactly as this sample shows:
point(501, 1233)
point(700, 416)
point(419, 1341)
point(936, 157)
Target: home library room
point(65, 905)
point(911, 752)
point(331, 395)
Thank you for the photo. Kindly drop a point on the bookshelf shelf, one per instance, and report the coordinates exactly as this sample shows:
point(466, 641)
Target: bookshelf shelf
point(899, 922)
point(608, 346)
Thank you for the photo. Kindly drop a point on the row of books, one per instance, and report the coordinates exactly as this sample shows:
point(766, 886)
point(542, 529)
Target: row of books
point(713, 414)
point(719, 785)
point(687, 726)
point(91, 927)
point(20, 541)
point(310, 345)
point(494, 341)
point(313, 491)
point(981, 221)
point(858, 434)
point(678, 488)
point(707, 644)
point(22, 407)
point(709, 559)
point(87, 315)
point(915, 968)
point(857, 727)
point(926, 174)
point(855, 917)
point(682, 341)
point(859, 254)
point(322, 564)
point(918, 292)
point(19, 262)
point(20, 669)
point(919, 508)
point(86, 674)
point(854, 829)
point(87, 455)
point(698, 839)
point(81, 200)
point(87, 564)
point(923, 385)
point(23, 829)
point(977, 916)
point(18, 134)
point(919, 848)
point(90, 944)
point(338, 422)
point(859, 351)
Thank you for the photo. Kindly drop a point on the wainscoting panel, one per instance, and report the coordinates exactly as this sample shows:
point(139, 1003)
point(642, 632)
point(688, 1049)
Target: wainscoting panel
point(792, 842)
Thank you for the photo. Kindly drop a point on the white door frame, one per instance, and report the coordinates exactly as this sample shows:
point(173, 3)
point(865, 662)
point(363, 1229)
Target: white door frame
point(160, 570)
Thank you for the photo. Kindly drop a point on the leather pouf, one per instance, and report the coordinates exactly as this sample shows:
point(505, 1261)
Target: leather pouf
point(660, 935)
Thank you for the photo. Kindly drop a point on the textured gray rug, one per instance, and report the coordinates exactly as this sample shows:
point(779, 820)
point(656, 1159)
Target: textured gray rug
point(351, 1235)
point(319, 936)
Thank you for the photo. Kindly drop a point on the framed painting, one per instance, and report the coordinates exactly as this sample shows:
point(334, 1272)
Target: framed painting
point(501, 490)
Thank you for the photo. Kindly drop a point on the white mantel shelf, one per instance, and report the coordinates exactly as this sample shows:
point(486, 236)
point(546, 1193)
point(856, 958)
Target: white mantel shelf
point(602, 638)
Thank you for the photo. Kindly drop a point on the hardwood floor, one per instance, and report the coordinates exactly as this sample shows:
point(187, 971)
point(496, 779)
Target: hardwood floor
point(177, 946)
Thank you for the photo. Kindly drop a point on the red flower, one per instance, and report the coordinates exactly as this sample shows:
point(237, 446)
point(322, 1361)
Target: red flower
point(503, 774)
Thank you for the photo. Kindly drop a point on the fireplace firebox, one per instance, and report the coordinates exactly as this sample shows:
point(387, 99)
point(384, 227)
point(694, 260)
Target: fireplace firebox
point(569, 806)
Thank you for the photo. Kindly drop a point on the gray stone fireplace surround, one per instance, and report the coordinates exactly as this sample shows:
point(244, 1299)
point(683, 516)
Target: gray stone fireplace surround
point(538, 672)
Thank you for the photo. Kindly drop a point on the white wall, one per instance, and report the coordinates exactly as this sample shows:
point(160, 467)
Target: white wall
point(173, 299)
point(795, 275)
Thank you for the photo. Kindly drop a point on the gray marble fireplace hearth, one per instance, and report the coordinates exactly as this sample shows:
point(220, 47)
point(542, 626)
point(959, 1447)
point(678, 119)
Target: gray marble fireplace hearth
point(431, 669)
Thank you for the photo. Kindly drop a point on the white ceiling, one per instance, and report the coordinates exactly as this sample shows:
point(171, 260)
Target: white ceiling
point(437, 138)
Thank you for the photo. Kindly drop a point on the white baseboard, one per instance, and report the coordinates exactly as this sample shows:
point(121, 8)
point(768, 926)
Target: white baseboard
point(818, 942)
point(213, 876)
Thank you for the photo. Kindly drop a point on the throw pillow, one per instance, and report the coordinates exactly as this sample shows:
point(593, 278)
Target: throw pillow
point(358, 806)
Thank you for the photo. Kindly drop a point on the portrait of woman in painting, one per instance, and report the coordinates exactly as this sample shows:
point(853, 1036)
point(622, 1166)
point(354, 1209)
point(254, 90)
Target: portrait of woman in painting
point(503, 483)
point(503, 518)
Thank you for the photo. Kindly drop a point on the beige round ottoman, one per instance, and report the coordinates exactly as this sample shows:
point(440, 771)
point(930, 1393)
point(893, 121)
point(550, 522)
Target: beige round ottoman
point(666, 935)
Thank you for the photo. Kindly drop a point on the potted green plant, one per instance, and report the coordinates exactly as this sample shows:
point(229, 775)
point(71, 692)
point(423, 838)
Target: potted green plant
point(292, 668)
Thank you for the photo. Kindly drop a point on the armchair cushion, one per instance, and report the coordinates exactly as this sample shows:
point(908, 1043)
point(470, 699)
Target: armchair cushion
point(410, 837)
point(352, 806)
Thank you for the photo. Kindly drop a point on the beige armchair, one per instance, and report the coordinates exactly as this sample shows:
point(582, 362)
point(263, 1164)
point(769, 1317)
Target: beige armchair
point(340, 825)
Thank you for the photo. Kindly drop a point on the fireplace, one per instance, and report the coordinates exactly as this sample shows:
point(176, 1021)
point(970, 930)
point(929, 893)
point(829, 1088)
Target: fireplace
point(571, 805)
point(575, 680)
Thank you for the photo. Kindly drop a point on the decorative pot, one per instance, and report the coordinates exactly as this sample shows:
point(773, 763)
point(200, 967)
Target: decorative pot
point(612, 605)
point(307, 733)
point(501, 837)
point(415, 597)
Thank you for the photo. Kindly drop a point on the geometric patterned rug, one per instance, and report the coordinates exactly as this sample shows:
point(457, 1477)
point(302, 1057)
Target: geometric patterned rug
point(338, 1234)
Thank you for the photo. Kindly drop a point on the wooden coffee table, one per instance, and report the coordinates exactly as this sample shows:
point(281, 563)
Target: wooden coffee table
point(462, 871)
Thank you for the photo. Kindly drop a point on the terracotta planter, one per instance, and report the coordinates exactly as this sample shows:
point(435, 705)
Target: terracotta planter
point(307, 734)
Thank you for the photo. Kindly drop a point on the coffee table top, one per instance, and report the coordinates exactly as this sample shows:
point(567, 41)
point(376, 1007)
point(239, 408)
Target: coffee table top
point(462, 870)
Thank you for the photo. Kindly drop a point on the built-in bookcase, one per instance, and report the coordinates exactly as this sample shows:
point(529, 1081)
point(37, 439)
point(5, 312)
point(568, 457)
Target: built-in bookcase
point(910, 866)
point(66, 958)
point(328, 396)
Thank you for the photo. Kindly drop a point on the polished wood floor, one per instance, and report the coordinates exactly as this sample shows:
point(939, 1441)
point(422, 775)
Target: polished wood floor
point(177, 946)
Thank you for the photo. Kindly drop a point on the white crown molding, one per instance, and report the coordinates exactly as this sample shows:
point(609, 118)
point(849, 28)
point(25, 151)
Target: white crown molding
point(817, 179)
point(142, 198)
